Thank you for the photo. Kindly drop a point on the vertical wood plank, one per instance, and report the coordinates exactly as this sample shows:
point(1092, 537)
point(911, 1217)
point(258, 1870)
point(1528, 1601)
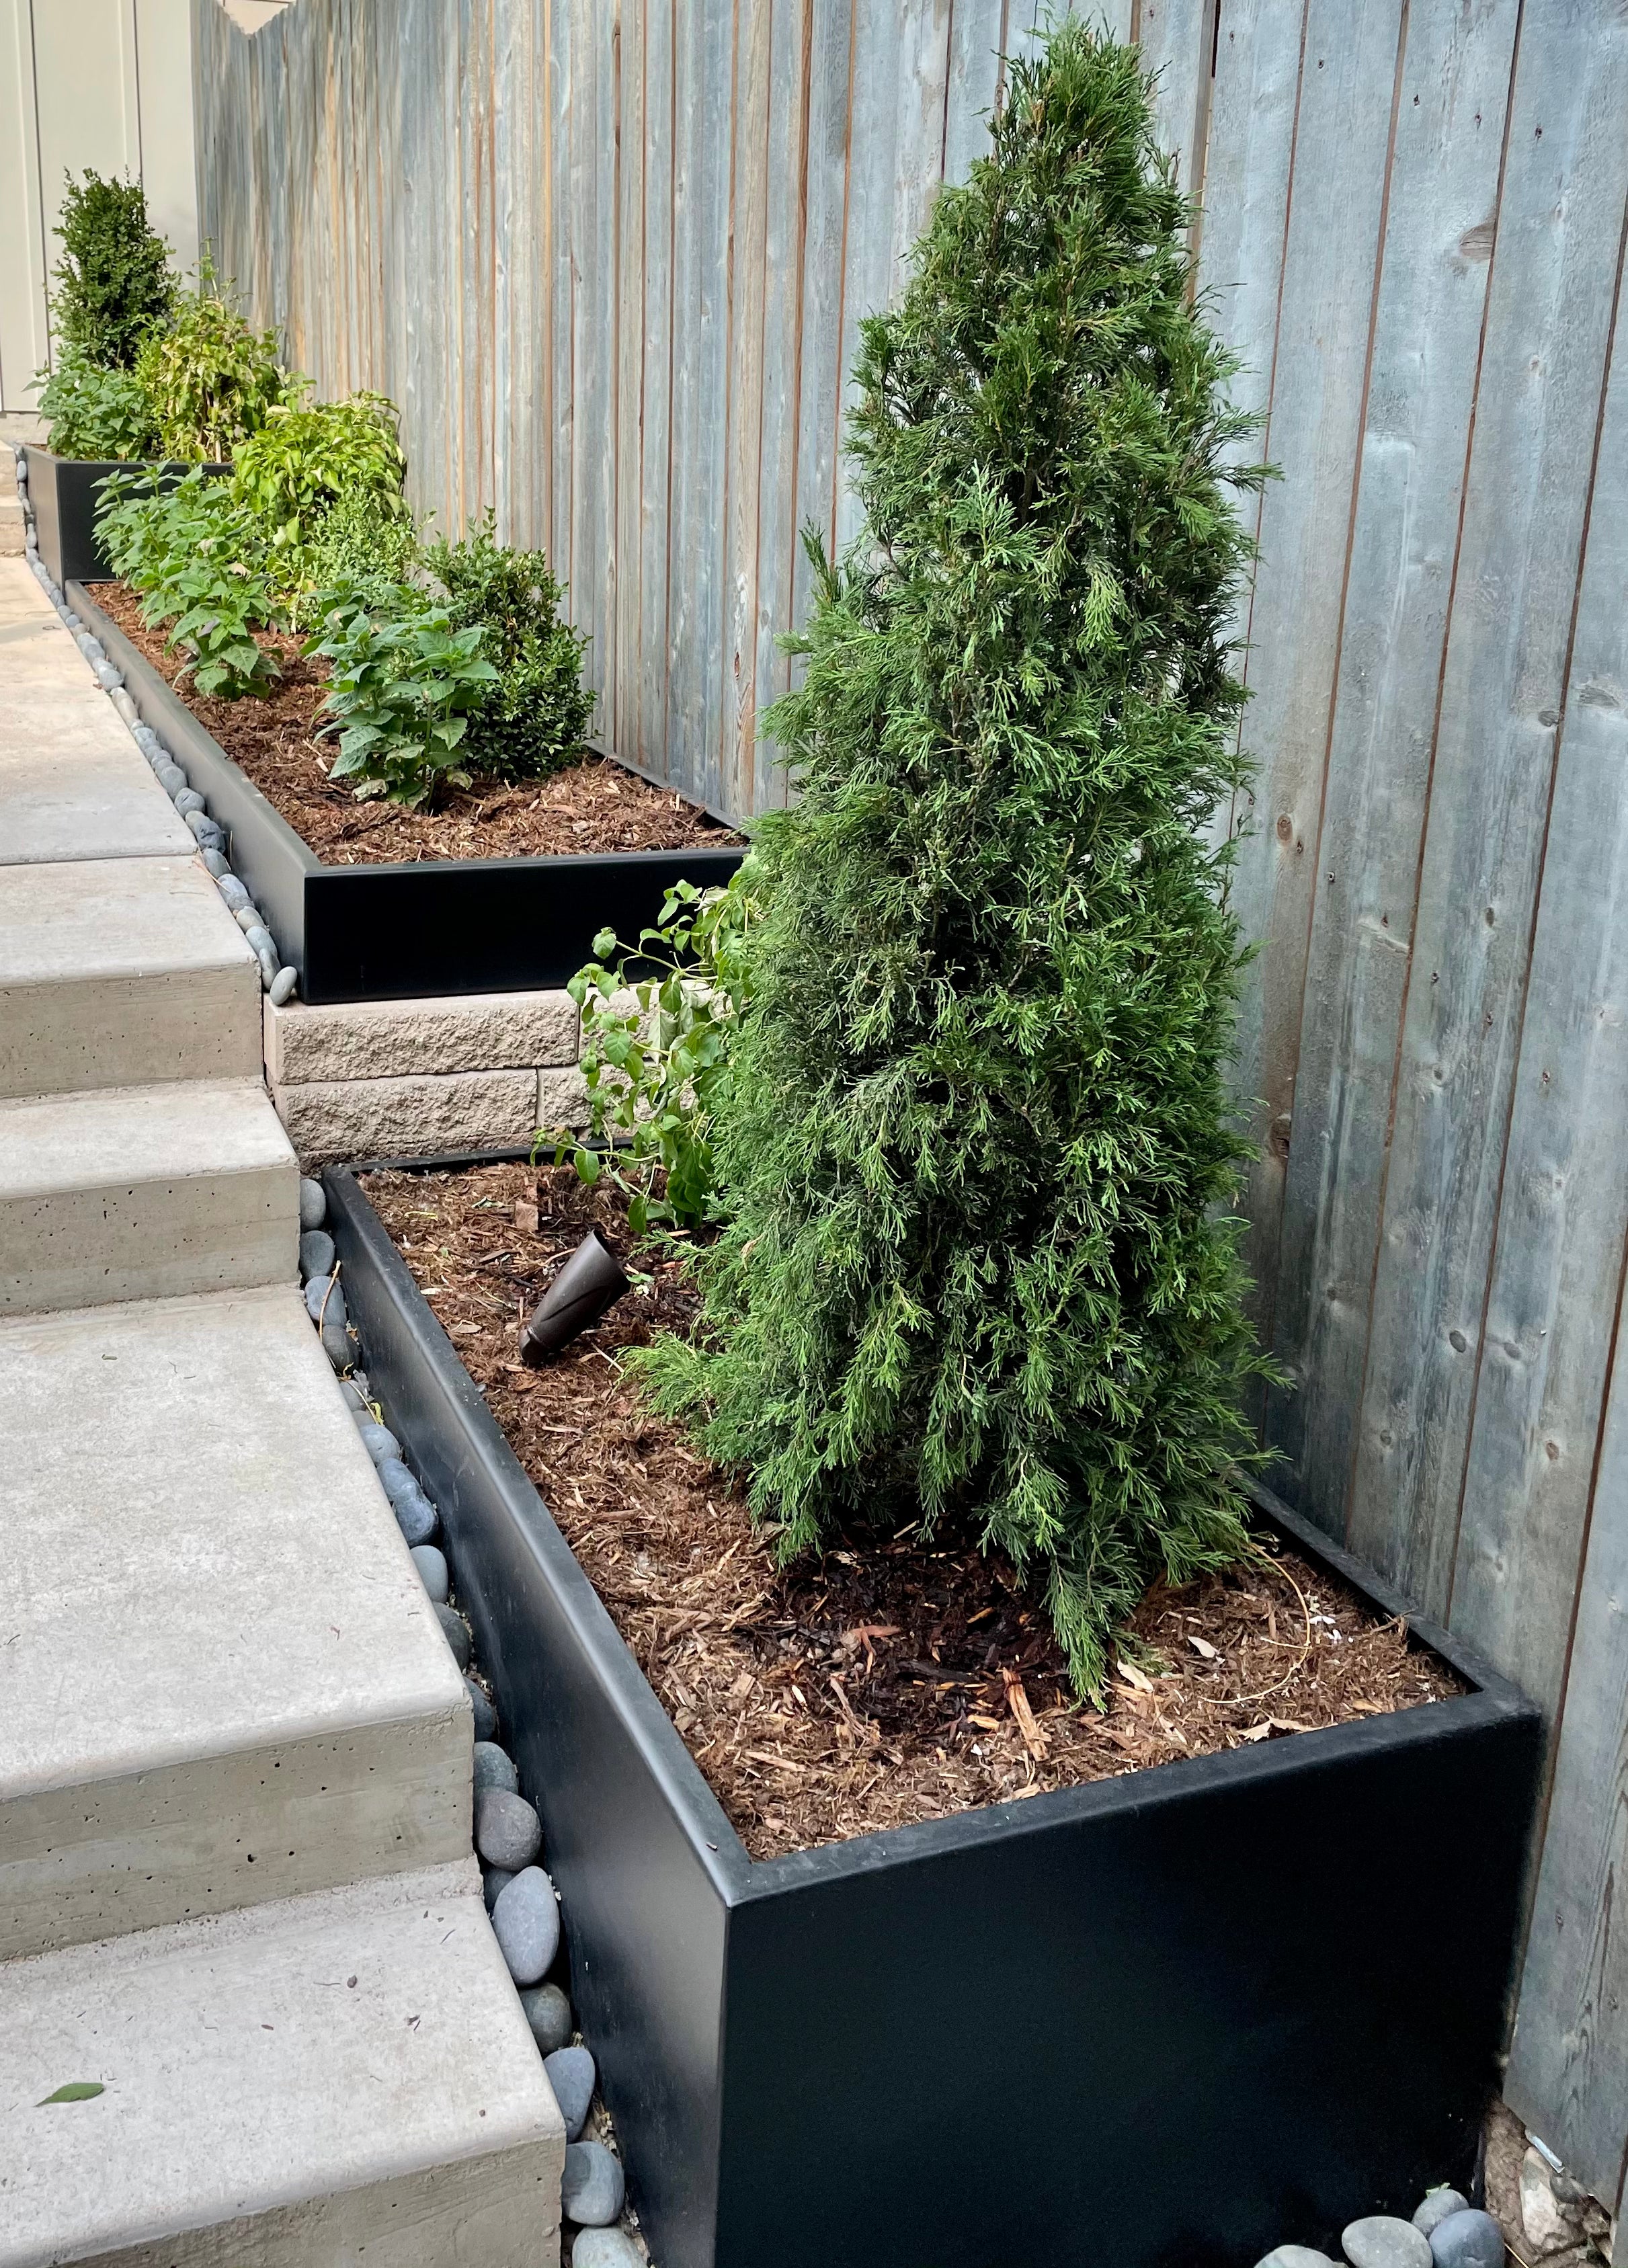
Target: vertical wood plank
point(826, 207)
point(738, 783)
point(630, 373)
point(1176, 38)
point(974, 83)
point(790, 88)
point(1549, 310)
point(868, 244)
point(656, 382)
point(1349, 94)
point(1426, 350)
point(703, 141)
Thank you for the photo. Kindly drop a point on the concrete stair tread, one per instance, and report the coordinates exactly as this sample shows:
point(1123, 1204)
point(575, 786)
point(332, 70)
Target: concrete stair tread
point(118, 972)
point(146, 1192)
point(220, 1678)
point(73, 784)
point(317, 2079)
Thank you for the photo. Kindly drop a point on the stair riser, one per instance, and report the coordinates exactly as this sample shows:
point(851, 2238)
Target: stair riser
point(209, 1232)
point(67, 1036)
point(498, 2212)
point(220, 1833)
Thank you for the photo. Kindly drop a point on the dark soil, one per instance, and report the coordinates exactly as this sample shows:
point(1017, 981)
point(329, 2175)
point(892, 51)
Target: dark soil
point(887, 1681)
point(595, 804)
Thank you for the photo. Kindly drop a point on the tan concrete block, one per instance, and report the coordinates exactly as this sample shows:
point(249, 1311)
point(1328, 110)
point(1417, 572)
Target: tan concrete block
point(334, 1120)
point(403, 1039)
point(562, 1098)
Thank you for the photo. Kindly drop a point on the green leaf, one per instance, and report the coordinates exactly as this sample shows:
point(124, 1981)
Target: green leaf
point(587, 1165)
point(77, 2090)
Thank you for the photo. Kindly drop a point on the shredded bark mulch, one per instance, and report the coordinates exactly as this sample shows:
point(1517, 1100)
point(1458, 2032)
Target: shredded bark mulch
point(888, 1680)
point(595, 804)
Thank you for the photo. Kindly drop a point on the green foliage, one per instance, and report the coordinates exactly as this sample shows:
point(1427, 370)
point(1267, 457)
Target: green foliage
point(536, 715)
point(361, 550)
point(96, 412)
point(297, 466)
point(197, 560)
point(115, 274)
point(974, 1145)
point(398, 697)
point(656, 1029)
point(209, 379)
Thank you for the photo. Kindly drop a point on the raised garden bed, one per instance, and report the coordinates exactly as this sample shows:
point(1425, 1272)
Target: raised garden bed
point(1162, 2015)
point(64, 493)
point(424, 925)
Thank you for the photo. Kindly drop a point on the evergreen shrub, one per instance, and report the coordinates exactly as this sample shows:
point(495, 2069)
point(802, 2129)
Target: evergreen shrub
point(534, 716)
point(980, 1271)
point(114, 277)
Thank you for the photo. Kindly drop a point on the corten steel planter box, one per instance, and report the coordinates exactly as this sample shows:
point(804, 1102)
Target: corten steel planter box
point(1166, 2020)
point(64, 493)
point(412, 931)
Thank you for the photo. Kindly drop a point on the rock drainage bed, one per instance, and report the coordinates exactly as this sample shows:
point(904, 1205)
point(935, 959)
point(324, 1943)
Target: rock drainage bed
point(520, 1897)
point(596, 804)
point(891, 1680)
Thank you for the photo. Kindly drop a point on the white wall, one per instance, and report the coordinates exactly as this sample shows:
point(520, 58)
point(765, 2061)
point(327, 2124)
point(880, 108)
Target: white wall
point(103, 83)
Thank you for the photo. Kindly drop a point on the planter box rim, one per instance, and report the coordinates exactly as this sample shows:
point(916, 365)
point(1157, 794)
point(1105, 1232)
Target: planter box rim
point(742, 1880)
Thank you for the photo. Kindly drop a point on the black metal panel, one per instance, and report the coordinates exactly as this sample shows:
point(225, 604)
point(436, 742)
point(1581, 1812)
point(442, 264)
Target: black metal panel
point(630, 1845)
point(262, 847)
point(397, 932)
point(64, 493)
point(1173, 2017)
point(1225, 2005)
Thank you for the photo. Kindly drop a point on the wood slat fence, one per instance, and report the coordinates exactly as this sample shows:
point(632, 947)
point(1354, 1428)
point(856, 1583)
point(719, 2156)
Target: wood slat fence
point(611, 255)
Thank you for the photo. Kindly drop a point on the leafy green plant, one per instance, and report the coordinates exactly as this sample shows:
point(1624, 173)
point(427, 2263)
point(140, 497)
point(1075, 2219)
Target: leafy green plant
point(975, 1149)
point(209, 379)
point(114, 279)
point(307, 457)
point(398, 697)
point(195, 556)
point(656, 1030)
point(96, 412)
point(536, 715)
point(364, 552)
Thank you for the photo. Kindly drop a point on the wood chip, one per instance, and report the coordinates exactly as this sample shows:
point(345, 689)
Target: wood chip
point(1017, 1701)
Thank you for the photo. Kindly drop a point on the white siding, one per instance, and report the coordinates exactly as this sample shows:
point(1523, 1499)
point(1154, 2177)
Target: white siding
point(103, 83)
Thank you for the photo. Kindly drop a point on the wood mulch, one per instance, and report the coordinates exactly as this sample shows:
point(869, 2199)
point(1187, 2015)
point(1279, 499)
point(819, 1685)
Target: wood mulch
point(885, 1682)
point(595, 804)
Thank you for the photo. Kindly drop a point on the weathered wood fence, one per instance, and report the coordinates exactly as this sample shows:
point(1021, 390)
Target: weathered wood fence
point(610, 256)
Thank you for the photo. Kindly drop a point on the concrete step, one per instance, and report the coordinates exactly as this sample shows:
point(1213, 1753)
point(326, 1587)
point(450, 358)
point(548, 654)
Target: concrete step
point(143, 1193)
point(335, 2079)
point(220, 1678)
point(121, 972)
point(73, 784)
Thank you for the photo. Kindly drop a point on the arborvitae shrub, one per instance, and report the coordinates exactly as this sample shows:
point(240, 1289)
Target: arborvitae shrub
point(980, 1270)
point(114, 272)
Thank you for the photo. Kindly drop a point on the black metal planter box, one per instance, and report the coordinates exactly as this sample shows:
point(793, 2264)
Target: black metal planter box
point(64, 493)
point(1168, 2020)
point(411, 931)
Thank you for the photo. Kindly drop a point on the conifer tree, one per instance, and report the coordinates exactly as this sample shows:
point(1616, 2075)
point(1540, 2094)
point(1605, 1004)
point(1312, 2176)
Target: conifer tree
point(975, 1149)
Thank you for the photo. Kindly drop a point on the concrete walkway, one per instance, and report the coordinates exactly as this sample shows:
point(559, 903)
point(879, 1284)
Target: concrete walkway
point(236, 1887)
